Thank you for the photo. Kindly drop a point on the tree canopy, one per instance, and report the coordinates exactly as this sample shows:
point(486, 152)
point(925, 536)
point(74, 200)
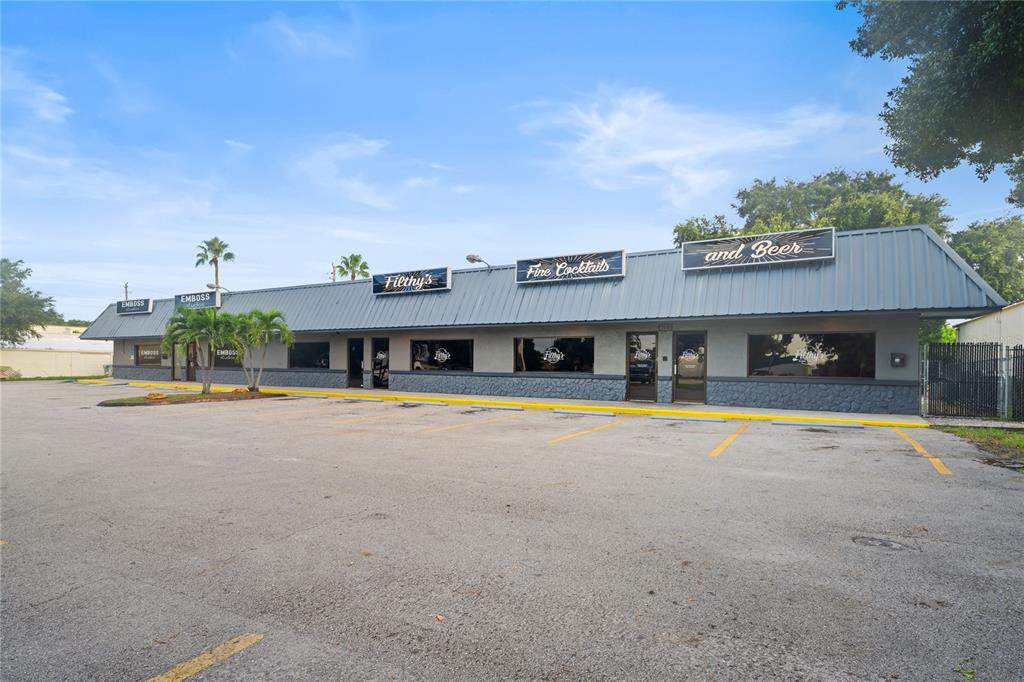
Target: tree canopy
point(213, 251)
point(963, 94)
point(353, 265)
point(21, 307)
point(840, 199)
point(995, 248)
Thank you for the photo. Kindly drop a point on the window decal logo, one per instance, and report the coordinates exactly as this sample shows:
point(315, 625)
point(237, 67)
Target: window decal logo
point(442, 355)
point(553, 356)
point(643, 355)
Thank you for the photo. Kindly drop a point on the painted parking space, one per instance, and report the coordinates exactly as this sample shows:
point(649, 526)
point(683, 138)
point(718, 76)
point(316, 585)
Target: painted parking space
point(279, 517)
point(555, 427)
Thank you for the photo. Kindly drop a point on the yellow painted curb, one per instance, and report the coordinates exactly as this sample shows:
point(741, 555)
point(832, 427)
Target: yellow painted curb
point(659, 411)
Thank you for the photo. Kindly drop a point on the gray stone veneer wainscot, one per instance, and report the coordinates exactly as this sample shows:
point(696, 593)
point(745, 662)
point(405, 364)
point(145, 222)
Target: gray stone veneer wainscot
point(141, 373)
point(309, 378)
point(664, 389)
point(876, 397)
point(549, 385)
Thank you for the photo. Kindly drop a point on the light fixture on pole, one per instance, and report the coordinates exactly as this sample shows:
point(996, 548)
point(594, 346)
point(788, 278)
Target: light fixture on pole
point(473, 258)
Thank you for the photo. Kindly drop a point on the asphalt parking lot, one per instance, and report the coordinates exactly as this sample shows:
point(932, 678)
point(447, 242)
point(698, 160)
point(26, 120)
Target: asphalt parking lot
point(317, 538)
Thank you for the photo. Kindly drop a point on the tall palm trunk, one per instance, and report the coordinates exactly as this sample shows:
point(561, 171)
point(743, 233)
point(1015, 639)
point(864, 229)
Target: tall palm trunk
point(205, 363)
point(216, 275)
point(263, 362)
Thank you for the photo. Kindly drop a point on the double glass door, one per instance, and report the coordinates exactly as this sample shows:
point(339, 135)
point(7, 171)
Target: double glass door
point(690, 380)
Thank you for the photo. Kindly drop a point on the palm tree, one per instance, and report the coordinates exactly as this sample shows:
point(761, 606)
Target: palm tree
point(253, 332)
point(203, 327)
point(212, 252)
point(353, 265)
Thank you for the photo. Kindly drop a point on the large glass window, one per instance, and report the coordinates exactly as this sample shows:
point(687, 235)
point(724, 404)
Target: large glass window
point(312, 355)
point(811, 355)
point(449, 354)
point(148, 354)
point(551, 354)
point(226, 357)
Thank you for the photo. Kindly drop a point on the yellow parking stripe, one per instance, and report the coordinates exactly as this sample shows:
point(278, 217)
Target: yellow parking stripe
point(357, 420)
point(936, 462)
point(584, 432)
point(728, 440)
point(463, 425)
point(527, 405)
point(208, 658)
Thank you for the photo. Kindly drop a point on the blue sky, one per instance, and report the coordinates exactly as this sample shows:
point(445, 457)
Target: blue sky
point(410, 133)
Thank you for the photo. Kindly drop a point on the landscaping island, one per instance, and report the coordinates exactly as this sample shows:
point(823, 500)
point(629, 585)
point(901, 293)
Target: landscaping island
point(181, 398)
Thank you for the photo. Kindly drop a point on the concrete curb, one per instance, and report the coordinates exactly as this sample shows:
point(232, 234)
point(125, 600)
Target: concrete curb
point(605, 409)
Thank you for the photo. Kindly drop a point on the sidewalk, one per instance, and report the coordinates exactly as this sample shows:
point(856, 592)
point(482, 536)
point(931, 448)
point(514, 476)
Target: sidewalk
point(600, 407)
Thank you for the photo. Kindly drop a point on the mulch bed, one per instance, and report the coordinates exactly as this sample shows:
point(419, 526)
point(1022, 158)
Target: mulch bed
point(184, 398)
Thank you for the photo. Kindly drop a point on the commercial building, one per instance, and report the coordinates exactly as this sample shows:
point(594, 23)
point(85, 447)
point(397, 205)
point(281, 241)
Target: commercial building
point(57, 352)
point(809, 319)
point(1004, 326)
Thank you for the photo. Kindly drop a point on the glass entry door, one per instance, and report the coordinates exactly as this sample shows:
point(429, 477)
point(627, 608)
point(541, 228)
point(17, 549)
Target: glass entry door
point(642, 366)
point(690, 385)
point(380, 362)
point(355, 363)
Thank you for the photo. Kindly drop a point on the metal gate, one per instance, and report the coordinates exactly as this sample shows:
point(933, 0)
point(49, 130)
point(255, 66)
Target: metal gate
point(973, 380)
point(1015, 364)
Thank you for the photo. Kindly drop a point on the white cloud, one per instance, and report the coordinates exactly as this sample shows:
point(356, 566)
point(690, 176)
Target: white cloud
point(419, 182)
point(328, 166)
point(239, 148)
point(23, 91)
point(464, 189)
point(312, 39)
point(624, 139)
point(126, 96)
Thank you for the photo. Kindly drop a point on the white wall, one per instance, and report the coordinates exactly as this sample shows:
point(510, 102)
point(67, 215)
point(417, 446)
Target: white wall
point(1005, 326)
point(54, 363)
point(726, 343)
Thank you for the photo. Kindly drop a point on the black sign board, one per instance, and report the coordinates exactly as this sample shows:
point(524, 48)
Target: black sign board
point(413, 281)
point(570, 268)
point(759, 249)
point(202, 299)
point(135, 306)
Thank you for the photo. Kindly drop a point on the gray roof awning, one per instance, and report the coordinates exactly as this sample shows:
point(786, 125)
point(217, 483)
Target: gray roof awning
point(901, 269)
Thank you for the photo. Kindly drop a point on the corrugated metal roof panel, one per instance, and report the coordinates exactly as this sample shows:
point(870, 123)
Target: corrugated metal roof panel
point(888, 269)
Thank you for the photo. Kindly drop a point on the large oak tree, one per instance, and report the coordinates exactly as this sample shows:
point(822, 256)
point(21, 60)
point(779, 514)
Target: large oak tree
point(963, 94)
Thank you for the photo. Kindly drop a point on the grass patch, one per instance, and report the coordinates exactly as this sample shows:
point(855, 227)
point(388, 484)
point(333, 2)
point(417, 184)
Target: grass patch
point(94, 376)
point(1007, 445)
point(179, 398)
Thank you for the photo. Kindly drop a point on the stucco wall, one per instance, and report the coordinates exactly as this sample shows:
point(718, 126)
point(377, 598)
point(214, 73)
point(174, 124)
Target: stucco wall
point(493, 359)
point(55, 363)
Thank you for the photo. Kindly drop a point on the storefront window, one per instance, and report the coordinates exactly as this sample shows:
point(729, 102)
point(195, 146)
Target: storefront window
point(447, 355)
point(226, 357)
point(811, 355)
point(549, 354)
point(311, 355)
point(148, 354)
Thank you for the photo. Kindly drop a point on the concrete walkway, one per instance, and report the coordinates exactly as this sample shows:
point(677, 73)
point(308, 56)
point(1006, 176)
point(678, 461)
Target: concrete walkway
point(594, 406)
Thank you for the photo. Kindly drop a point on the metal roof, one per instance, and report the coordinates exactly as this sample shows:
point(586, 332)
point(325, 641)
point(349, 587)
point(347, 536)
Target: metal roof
point(877, 270)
